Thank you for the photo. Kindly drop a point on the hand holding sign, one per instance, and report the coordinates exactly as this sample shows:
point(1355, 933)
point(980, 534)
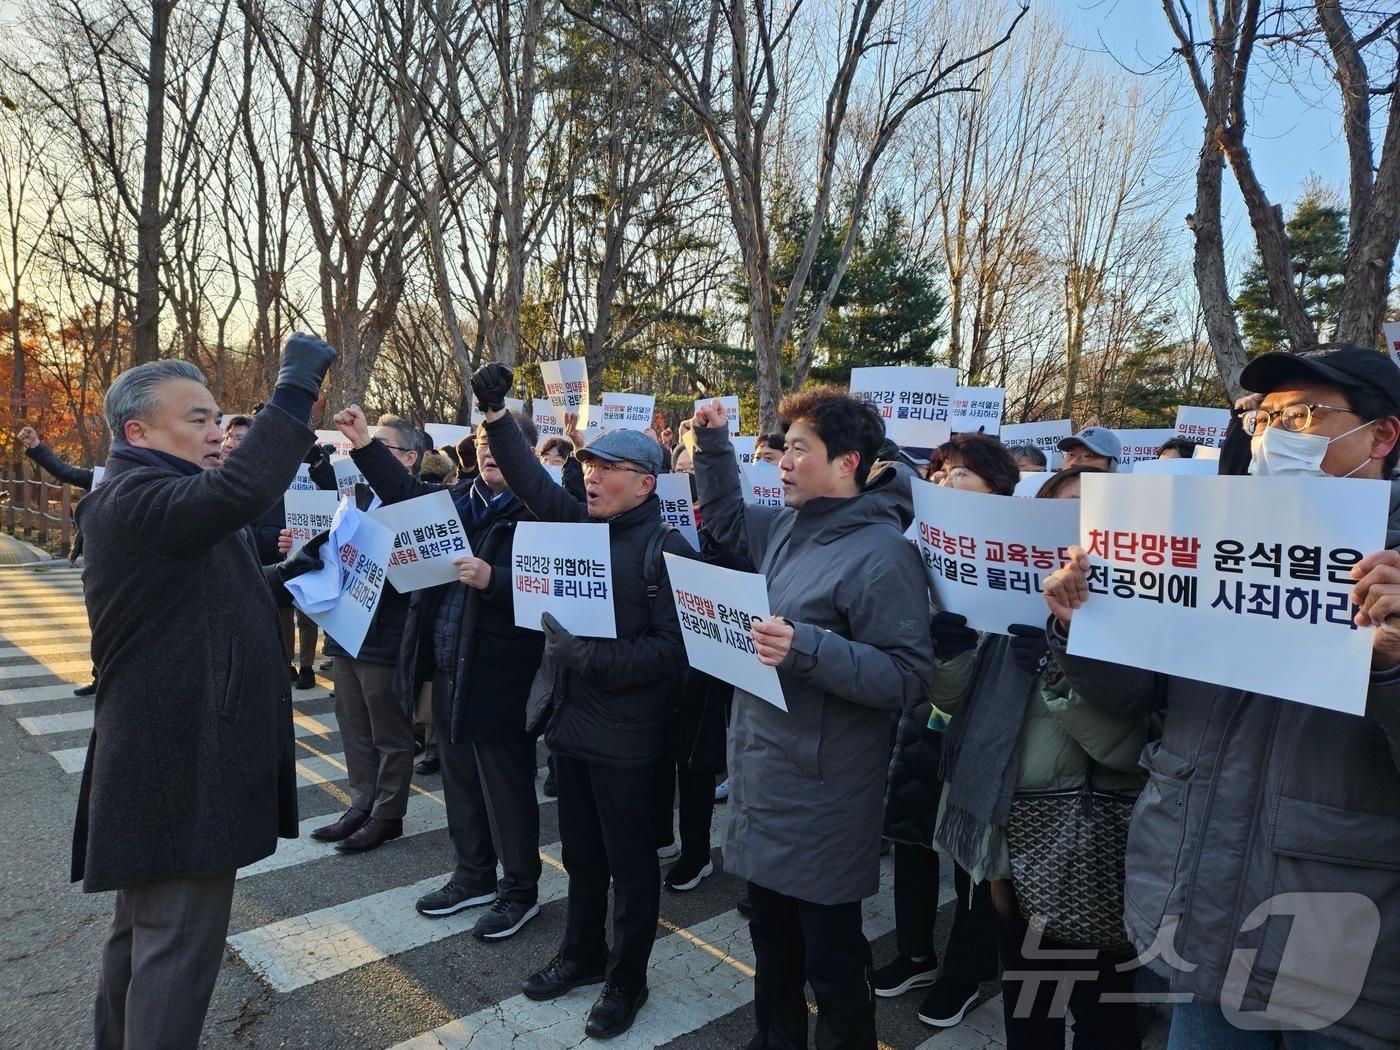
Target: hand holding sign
point(1377, 597)
point(352, 423)
point(773, 639)
point(474, 572)
point(284, 541)
point(1068, 586)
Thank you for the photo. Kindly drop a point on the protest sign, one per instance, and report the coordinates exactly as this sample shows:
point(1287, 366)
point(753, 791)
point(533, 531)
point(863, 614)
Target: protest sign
point(347, 475)
point(1202, 452)
point(343, 595)
point(1240, 581)
point(978, 409)
point(673, 490)
point(716, 607)
point(308, 513)
point(566, 386)
point(1141, 444)
point(762, 484)
point(301, 481)
point(335, 438)
point(446, 435)
point(627, 411)
point(1178, 467)
point(512, 404)
point(98, 473)
point(548, 422)
point(916, 403)
point(1204, 426)
point(1045, 436)
point(564, 569)
point(428, 536)
point(987, 556)
point(731, 410)
point(1392, 340)
point(1030, 483)
point(744, 448)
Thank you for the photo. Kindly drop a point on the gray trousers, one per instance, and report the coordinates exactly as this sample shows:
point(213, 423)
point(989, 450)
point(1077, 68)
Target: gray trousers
point(159, 963)
point(377, 735)
point(492, 812)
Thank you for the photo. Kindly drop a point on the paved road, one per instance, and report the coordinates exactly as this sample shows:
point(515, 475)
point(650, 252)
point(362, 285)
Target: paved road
point(325, 951)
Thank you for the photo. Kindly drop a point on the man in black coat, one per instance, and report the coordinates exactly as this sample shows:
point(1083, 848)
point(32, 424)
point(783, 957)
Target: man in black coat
point(189, 772)
point(462, 638)
point(609, 698)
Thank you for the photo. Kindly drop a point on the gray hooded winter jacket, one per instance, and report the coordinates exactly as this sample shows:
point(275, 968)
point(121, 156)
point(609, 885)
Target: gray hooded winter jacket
point(807, 787)
point(1264, 852)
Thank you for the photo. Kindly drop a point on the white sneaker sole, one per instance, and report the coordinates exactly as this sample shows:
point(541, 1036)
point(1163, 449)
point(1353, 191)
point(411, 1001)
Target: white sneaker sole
point(453, 909)
point(501, 935)
point(670, 852)
point(949, 1022)
point(705, 872)
point(919, 980)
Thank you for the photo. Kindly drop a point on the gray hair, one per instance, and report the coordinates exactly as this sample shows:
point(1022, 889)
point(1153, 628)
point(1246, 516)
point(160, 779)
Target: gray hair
point(411, 439)
point(133, 394)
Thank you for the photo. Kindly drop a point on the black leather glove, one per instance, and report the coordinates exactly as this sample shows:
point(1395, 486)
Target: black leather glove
point(305, 362)
point(308, 559)
point(491, 383)
point(951, 635)
point(568, 650)
point(1029, 647)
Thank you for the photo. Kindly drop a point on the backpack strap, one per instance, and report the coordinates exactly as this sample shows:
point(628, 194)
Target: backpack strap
point(653, 565)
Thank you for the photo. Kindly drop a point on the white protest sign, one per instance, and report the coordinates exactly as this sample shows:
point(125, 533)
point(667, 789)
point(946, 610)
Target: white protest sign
point(1392, 340)
point(428, 536)
point(1031, 482)
point(1045, 436)
point(673, 492)
point(762, 484)
point(336, 438)
point(564, 569)
point(627, 411)
point(744, 448)
point(446, 435)
point(1141, 444)
point(308, 513)
point(355, 556)
point(566, 386)
point(1202, 452)
point(1177, 467)
point(347, 475)
point(301, 481)
point(916, 403)
point(1240, 581)
point(987, 555)
point(716, 607)
point(1204, 426)
point(978, 408)
point(548, 423)
point(98, 473)
point(731, 409)
point(512, 404)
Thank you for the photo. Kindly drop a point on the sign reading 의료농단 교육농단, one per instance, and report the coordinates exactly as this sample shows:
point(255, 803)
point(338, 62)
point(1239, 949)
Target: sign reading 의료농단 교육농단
point(564, 569)
point(1240, 581)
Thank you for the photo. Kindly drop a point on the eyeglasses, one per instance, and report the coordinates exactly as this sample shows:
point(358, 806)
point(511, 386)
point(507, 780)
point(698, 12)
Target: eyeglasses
point(1293, 418)
point(956, 474)
point(598, 466)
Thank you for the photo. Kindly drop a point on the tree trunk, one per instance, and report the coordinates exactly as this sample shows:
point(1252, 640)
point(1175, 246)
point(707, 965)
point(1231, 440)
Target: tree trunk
point(145, 333)
point(1212, 284)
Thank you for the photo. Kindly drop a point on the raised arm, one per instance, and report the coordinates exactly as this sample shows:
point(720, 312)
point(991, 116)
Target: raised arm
point(731, 523)
point(65, 472)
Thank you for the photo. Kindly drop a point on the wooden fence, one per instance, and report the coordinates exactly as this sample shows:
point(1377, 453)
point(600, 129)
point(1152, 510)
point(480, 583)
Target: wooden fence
point(35, 509)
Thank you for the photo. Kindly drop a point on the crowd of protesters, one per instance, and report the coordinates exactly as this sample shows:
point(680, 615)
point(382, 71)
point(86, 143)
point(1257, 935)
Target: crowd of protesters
point(1198, 810)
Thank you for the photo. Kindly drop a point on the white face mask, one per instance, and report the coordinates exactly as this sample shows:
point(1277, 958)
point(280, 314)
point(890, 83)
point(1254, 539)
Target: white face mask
point(1279, 453)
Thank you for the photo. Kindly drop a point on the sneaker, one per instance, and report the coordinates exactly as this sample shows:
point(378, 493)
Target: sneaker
point(614, 1011)
point(670, 851)
point(722, 791)
point(306, 679)
point(686, 875)
point(504, 919)
point(562, 975)
point(947, 1003)
point(903, 974)
point(451, 899)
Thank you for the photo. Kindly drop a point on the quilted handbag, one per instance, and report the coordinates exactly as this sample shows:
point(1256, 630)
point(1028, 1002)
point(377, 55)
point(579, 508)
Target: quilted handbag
point(1066, 850)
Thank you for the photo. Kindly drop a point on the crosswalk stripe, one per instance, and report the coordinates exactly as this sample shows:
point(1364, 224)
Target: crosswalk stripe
point(36, 694)
point(77, 628)
point(71, 759)
point(73, 670)
point(71, 721)
point(982, 1027)
point(691, 991)
point(313, 725)
point(11, 651)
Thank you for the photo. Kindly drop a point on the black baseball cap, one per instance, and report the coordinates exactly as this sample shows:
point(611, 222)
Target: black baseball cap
point(1340, 364)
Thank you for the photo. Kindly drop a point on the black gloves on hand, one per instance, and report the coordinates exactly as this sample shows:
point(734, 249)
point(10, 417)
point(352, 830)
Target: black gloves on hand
point(491, 383)
point(305, 362)
point(308, 559)
point(951, 635)
point(1029, 648)
point(569, 650)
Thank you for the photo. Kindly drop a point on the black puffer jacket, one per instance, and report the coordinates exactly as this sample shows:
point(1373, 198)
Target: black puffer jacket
point(65, 472)
point(913, 785)
point(610, 713)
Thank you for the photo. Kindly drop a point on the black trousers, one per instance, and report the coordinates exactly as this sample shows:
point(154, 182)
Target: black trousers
point(607, 834)
point(1036, 991)
point(492, 812)
point(796, 942)
point(970, 956)
point(697, 798)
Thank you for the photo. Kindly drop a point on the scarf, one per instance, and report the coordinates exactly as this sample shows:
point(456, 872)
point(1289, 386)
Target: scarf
point(981, 755)
point(150, 457)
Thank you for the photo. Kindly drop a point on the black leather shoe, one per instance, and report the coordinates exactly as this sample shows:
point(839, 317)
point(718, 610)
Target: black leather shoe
point(614, 1011)
point(561, 975)
point(85, 690)
point(429, 763)
point(306, 679)
point(374, 832)
point(349, 823)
